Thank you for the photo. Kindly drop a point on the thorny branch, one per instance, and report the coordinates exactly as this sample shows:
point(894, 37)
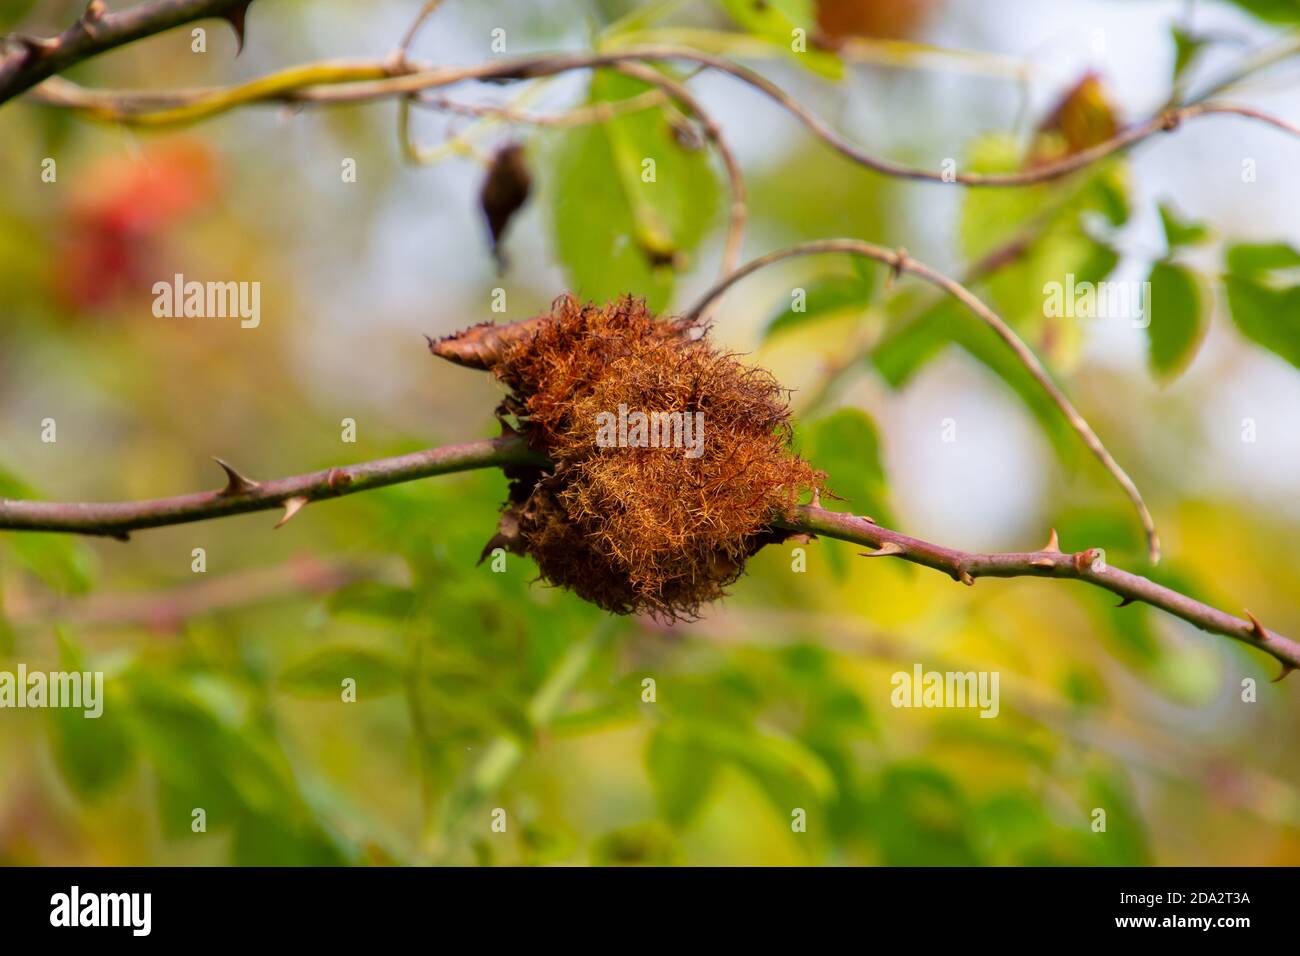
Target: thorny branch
point(997, 259)
point(33, 59)
point(899, 261)
point(241, 495)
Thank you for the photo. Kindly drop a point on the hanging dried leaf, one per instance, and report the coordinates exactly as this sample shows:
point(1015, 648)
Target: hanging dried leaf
point(504, 191)
point(1083, 118)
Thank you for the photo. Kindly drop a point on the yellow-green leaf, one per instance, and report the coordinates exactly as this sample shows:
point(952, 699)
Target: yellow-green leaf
point(1176, 310)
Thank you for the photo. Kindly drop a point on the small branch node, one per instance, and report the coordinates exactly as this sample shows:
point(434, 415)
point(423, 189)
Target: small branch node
point(337, 478)
point(897, 263)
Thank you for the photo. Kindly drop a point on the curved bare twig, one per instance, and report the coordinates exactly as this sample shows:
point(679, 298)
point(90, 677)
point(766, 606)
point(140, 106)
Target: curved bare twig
point(898, 261)
point(330, 87)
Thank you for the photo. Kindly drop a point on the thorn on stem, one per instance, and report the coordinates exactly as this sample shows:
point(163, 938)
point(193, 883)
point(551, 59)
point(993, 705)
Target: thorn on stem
point(1124, 602)
point(884, 551)
point(236, 18)
point(1053, 543)
point(496, 541)
point(1256, 628)
point(1043, 563)
point(965, 578)
point(291, 507)
point(1286, 669)
point(236, 484)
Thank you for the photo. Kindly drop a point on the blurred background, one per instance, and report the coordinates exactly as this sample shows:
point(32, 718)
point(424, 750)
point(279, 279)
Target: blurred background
point(480, 691)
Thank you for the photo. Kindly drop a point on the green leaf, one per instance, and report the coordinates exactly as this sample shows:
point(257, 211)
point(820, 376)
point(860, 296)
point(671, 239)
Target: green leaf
point(826, 296)
point(681, 774)
point(270, 841)
point(910, 345)
point(1055, 215)
point(1256, 260)
point(644, 844)
point(923, 819)
point(616, 233)
point(1178, 319)
point(913, 338)
point(846, 445)
point(205, 752)
point(1186, 49)
point(791, 198)
point(776, 22)
point(1125, 843)
point(373, 599)
point(92, 753)
point(1272, 11)
point(321, 673)
point(789, 773)
point(1179, 232)
point(1264, 307)
point(61, 562)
